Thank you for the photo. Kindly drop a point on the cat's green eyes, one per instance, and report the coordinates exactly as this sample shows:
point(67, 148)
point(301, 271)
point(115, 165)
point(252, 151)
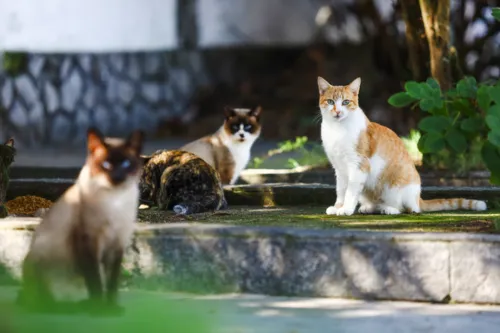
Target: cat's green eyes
point(330, 101)
point(346, 102)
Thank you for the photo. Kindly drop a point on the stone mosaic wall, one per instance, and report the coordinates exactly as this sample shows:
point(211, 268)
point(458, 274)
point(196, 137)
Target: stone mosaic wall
point(60, 95)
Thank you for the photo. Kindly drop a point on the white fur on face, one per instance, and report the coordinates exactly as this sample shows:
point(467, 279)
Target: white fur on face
point(242, 135)
point(336, 112)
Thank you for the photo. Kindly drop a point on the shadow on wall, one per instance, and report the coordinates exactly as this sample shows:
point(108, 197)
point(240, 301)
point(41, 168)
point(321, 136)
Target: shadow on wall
point(290, 263)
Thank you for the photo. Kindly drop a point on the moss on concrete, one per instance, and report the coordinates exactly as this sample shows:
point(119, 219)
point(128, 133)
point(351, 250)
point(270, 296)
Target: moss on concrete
point(314, 217)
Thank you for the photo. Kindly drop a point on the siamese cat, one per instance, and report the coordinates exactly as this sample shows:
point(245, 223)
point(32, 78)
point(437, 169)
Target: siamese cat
point(82, 238)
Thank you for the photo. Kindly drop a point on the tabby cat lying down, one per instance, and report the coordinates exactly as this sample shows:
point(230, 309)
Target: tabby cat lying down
point(178, 180)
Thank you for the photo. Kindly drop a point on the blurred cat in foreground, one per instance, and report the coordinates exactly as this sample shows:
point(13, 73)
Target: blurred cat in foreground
point(86, 231)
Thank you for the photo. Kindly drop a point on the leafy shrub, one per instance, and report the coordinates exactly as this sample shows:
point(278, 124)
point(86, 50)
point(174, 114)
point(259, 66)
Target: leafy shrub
point(459, 119)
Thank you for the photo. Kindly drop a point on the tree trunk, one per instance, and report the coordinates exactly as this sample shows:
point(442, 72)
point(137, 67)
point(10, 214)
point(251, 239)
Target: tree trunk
point(436, 17)
point(418, 49)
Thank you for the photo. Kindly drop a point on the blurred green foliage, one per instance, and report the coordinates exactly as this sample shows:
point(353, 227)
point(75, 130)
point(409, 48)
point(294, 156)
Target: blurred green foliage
point(144, 312)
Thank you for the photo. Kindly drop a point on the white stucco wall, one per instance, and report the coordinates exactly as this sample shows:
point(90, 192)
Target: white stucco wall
point(240, 22)
point(87, 25)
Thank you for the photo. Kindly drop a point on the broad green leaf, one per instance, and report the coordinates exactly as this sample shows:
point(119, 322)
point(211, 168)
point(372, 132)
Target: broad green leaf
point(495, 93)
point(493, 122)
point(494, 138)
point(464, 106)
point(494, 110)
point(452, 93)
point(467, 87)
point(491, 159)
point(472, 125)
point(495, 177)
point(483, 97)
point(456, 140)
point(414, 89)
point(401, 99)
point(495, 12)
point(421, 143)
point(431, 82)
point(426, 104)
point(434, 142)
point(436, 124)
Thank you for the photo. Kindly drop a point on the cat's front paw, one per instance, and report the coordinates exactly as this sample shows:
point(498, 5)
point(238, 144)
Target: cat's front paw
point(366, 209)
point(387, 210)
point(345, 211)
point(332, 210)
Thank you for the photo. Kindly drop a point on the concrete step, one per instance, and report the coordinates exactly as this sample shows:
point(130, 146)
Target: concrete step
point(207, 258)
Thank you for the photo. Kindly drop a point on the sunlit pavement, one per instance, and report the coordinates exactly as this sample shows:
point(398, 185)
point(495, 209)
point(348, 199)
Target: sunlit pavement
point(255, 313)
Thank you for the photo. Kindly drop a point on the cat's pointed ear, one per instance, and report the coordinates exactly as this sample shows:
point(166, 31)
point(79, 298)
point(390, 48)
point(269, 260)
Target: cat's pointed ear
point(354, 85)
point(10, 142)
point(323, 85)
point(135, 141)
point(94, 139)
point(228, 112)
point(256, 111)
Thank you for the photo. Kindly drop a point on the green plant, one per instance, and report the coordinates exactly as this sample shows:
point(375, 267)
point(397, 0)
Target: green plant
point(456, 118)
point(14, 63)
point(309, 153)
point(411, 144)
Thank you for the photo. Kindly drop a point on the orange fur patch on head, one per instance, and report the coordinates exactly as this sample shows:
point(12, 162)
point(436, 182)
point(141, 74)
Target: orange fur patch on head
point(349, 92)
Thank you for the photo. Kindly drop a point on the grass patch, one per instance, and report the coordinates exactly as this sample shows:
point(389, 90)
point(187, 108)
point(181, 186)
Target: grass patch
point(314, 217)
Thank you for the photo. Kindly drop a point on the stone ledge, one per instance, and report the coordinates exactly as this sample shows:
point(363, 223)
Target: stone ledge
point(327, 176)
point(297, 262)
point(264, 194)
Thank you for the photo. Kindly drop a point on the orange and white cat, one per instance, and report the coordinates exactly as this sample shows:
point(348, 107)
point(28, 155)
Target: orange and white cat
point(228, 149)
point(372, 165)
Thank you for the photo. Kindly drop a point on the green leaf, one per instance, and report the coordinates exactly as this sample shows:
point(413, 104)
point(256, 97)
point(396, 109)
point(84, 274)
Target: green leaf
point(494, 110)
point(464, 106)
point(435, 124)
point(433, 84)
point(495, 12)
point(456, 140)
point(421, 143)
point(495, 93)
point(491, 157)
point(452, 93)
point(434, 142)
point(414, 89)
point(426, 104)
point(483, 97)
point(493, 122)
point(494, 138)
point(472, 125)
point(467, 87)
point(401, 99)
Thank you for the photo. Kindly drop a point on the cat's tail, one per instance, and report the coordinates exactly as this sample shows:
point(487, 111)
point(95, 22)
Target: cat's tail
point(451, 204)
